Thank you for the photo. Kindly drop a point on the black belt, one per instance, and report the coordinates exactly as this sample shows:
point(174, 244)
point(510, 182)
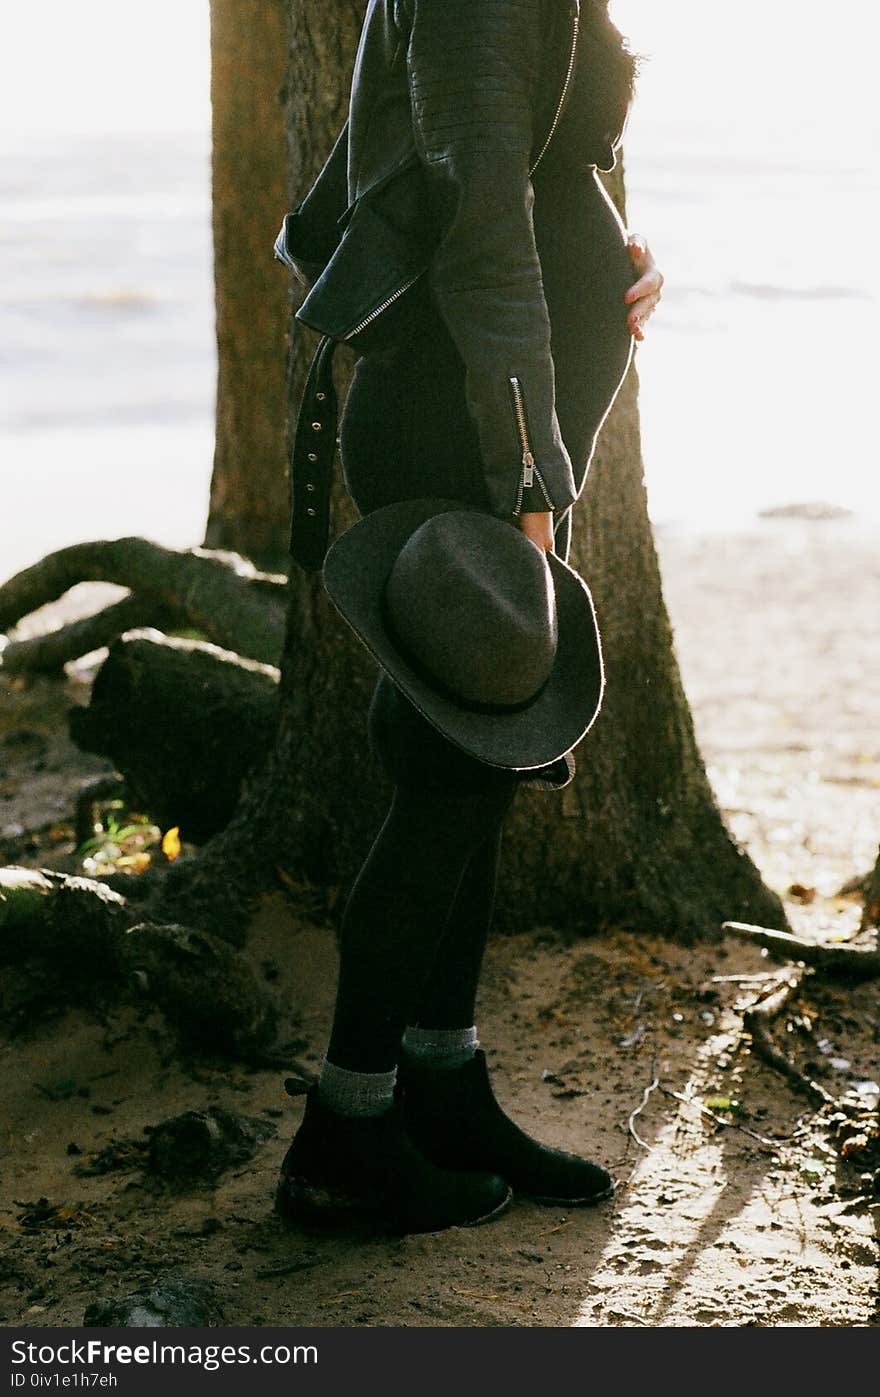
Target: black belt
point(311, 461)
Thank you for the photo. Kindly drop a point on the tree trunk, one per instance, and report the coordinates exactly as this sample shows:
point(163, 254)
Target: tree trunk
point(249, 63)
point(871, 915)
point(637, 838)
point(282, 827)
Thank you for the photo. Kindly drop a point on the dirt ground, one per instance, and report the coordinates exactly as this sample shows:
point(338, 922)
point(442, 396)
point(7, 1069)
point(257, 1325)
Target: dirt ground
point(747, 1219)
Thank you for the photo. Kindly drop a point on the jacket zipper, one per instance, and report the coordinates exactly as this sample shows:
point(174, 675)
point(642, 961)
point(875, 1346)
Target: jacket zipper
point(529, 469)
point(575, 26)
point(382, 307)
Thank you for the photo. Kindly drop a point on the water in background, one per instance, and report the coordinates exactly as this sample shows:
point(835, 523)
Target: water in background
point(758, 375)
point(107, 359)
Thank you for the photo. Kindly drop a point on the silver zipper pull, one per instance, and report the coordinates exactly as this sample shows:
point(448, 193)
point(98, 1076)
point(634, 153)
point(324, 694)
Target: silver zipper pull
point(528, 461)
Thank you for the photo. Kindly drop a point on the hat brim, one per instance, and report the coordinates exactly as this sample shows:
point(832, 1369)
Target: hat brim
point(354, 573)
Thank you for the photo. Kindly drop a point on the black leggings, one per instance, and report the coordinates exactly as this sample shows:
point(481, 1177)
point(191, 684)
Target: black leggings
point(415, 924)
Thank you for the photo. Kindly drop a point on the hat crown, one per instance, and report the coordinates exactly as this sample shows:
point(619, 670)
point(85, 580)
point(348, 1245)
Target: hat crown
point(472, 602)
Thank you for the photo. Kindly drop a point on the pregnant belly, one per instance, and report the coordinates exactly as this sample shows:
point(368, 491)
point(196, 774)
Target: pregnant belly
point(586, 271)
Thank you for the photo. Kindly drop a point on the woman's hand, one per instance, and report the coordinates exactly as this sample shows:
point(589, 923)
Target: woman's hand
point(538, 526)
point(644, 294)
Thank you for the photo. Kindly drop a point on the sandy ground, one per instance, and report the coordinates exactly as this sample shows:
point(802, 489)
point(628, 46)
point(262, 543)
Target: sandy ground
point(756, 1222)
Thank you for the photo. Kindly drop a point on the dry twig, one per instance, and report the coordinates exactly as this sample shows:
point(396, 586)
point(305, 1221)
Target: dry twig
point(719, 1120)
point(558, 1228)
point(757, 1021)
point(646, 1094)
point(287, 1269)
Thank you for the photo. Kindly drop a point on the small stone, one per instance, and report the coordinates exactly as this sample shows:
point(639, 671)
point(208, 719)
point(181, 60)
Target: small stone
point(174, 1302)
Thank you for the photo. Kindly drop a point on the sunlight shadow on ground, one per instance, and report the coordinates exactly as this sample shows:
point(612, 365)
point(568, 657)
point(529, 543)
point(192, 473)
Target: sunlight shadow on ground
point(727, 1221)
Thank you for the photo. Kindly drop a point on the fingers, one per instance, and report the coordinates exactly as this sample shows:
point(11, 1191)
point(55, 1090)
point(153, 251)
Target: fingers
point(640, 254)
point(538, 527)
point(644, 294)
point(650, 284)
point(640, 312)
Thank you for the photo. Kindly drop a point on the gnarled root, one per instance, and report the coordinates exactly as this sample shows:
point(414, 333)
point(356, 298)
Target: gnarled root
point(183, 721)
point(219, 593)
point(81, 932)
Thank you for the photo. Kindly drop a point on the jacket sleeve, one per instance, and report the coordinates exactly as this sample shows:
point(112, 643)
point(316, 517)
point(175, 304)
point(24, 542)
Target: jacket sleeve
point(472, 70)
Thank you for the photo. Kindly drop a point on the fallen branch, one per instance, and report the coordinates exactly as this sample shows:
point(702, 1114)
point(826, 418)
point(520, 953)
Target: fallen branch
point(845, 960)
point(757, 1021)
point(549, 1231)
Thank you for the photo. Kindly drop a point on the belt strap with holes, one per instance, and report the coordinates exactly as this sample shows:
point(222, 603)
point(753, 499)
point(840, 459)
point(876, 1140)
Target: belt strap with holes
point(311, 461)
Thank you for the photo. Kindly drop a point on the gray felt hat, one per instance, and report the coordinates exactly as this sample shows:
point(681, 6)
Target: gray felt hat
point(493, 640)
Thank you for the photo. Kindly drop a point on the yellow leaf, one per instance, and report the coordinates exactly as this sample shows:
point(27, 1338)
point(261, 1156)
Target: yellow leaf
point(171, 843)
point(138, 863)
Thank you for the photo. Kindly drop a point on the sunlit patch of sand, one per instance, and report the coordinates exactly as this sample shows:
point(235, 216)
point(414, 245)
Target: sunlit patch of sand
point(701, 1239)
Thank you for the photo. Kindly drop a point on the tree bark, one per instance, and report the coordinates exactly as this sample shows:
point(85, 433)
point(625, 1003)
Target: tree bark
point(183, 721)
point(282, 821)
point(249, 63)
point(871, 914)
point(637, 839)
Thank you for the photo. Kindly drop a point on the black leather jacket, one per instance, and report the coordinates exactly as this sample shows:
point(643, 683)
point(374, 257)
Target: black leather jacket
point(428, 193)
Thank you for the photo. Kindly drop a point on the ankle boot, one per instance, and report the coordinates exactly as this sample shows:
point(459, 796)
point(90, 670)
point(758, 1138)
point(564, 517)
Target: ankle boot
point(452, 1115)
point(367, 1170)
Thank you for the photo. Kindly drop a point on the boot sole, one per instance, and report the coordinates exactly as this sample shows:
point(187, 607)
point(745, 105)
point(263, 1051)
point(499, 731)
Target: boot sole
point(443, 1161)
point(570, 1202)
point(317, 1208)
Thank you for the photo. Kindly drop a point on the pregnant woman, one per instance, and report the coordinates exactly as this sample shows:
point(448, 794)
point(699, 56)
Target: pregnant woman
point(537, 296)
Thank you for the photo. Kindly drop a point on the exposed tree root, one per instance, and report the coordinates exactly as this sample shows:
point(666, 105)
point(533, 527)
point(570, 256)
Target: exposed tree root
point(205, 989)
point(47, 654)
point(219, 593)
point(183, 721)
point(82, 932)
point(857, 961)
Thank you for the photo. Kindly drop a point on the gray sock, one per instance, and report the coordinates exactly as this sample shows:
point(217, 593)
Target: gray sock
point(440, 1047)
point(355, 1093)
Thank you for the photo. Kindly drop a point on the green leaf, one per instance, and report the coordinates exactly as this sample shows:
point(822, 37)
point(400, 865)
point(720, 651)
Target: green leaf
point(724, 1103)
